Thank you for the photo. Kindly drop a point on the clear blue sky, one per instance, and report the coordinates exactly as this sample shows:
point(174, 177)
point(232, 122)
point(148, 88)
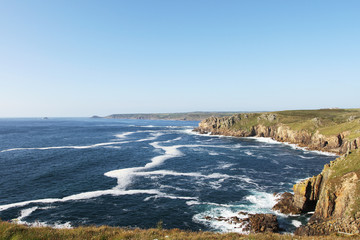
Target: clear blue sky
point(81, 58)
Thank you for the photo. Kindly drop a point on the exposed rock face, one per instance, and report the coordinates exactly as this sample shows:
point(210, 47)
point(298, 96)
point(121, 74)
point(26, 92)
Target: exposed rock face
point(333, 195)
point(277, 131)
point(254, 223)
point(263, 223)
point(334, 198)
point(286, 204)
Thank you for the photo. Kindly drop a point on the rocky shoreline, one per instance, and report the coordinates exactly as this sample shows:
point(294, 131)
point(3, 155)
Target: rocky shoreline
point(333, 195)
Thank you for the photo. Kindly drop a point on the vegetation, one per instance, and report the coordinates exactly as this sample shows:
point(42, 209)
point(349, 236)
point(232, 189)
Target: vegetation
point(14, 231)
point(340, 167)
point(191, 116)
point(327, 121)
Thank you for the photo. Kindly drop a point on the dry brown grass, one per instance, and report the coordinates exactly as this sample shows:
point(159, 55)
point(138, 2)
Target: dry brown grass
point(14, 231)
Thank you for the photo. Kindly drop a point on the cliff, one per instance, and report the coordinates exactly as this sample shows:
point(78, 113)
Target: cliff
point(334, 194)
point(188, 116)
point(331, 130)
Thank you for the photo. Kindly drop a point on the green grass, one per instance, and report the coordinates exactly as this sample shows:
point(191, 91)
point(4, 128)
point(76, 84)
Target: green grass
point(190, 116)
point(10, 231)
point(342, 166)
point(329, 122)
point(346, 164)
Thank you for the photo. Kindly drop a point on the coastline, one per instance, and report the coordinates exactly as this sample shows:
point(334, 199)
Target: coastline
point(332, 194)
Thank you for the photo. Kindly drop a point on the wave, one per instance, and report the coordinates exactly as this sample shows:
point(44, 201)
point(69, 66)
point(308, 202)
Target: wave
point(261, 202)
point(28, 211)
point(66, 147)
point(211, 153)
point(124, 135)
point(264, 140)
point(306, 157)
point(248, 153)
point(212, 218)
point(89, 195)
point(292, 145)
point(214, 213)
point(154, 136)
point(296, 223)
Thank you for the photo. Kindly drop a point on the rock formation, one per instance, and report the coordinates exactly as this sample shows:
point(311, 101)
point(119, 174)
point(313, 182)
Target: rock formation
point(334, 194)
point(265, 125)
point(254, 223)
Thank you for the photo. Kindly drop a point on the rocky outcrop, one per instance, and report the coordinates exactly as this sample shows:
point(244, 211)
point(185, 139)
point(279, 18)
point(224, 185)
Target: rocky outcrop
point(254, 223)
point(263, 223)
point(334, 194)
point(286, 204)
point(266, 125)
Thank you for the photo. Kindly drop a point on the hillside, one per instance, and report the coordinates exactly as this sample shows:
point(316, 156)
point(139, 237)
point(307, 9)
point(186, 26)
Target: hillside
point(334, 194)
point(189, 116)
point(332, 130)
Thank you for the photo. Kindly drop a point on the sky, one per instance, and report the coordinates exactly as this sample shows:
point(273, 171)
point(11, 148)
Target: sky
point(78, 58)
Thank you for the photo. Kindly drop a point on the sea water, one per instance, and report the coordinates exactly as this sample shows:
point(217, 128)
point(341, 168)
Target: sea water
point(79, 171)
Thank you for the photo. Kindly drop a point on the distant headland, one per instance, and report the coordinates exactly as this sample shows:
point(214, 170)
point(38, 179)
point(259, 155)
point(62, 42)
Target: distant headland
point(185, 116)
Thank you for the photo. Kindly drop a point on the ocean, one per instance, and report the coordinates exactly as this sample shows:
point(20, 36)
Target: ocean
point(68, 172)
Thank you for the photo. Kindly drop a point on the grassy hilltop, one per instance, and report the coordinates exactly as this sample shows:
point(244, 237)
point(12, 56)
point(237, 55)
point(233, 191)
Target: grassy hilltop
point(327, 121)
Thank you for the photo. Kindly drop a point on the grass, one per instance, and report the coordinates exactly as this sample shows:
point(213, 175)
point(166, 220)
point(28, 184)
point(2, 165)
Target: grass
point(191, 116)
point(13, 231)
point(347, 164)
point(329, 122)
point(342, 166)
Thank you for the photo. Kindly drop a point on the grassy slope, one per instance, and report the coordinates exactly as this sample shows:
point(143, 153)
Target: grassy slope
point(191, 116)
point(327, 121)
point(342, 166)
point(13, 231)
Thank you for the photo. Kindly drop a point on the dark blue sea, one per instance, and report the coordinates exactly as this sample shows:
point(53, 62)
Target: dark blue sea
point(79, 171)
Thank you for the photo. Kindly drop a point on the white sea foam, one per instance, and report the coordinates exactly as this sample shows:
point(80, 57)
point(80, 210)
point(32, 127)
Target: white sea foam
point(294, 146)
point(66, 147)
point(306, 157)
point(248, 153)
point(212, 153)
point(288, 167)
point(264, 140)
point(210, 217)
point(225, 165)
point(25, 213)
point(92, 194)
point(261, 201)
point(153, 136)
point(296, 223)
point(124, 135)
point(171, 173)
point(275, 162)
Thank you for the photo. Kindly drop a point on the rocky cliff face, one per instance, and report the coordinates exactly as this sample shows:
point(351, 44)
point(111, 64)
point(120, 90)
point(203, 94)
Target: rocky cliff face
point(265, 125)
point(333, 195)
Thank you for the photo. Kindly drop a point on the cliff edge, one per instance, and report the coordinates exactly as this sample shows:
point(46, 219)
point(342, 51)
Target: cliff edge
point(334, 194)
